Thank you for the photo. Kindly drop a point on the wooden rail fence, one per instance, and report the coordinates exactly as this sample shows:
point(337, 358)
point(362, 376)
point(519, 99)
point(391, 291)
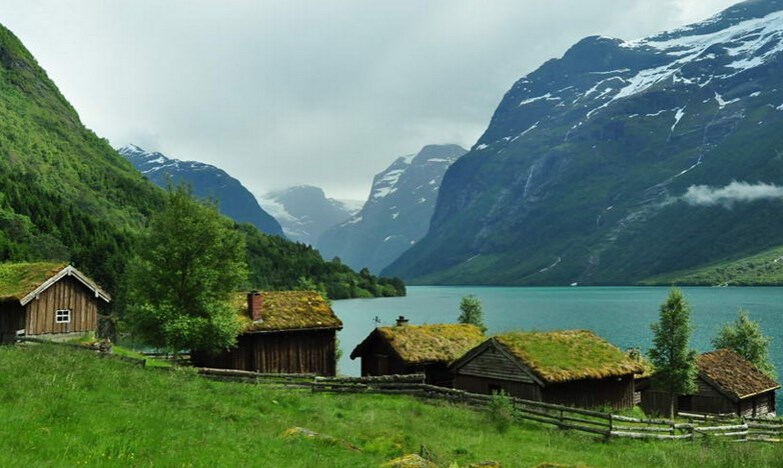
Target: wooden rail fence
point(608, 425)
point(688, 426)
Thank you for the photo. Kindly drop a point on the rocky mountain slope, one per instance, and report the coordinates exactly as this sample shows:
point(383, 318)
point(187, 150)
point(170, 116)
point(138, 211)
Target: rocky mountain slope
point(620, 161)
point(65, 194)
point(207, 181)
point(304, 212)
point(397, 213)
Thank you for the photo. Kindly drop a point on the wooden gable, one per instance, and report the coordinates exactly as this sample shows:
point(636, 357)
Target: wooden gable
point(492, 361)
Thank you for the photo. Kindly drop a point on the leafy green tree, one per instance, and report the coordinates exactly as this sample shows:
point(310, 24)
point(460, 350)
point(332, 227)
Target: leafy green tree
point(671, 355)
point(191, 260)
point(471, 312)
point(744, 336)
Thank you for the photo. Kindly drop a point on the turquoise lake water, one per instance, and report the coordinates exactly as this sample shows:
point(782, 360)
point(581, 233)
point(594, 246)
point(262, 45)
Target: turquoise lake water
point(621, 315)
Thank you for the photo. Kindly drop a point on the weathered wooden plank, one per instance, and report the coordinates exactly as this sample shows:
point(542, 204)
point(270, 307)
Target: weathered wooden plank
point(585, 412)
point(640, 435)
point(618, 417)
point(743, 427)
point(641, 429)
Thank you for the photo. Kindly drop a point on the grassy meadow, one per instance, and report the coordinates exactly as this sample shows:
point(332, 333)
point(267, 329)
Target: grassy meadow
point(64, 407)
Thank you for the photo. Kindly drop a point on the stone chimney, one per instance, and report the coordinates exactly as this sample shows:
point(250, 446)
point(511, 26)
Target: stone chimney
point(255, 302)
point(401, 320)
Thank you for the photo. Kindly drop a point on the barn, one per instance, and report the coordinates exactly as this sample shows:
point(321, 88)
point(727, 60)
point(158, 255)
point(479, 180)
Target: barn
point(412, 349)
point(727, 383)
point(282, 332)
point(47, 300)
point(571, 367)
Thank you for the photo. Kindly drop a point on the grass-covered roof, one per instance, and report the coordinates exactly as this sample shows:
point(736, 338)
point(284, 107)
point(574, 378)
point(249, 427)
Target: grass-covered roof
point(418, 344)
point(19, 279)
point(288, 310)
point(559, 356)
point(736, 376)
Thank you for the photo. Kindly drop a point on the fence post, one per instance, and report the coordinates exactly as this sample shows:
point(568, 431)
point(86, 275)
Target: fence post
point(611, 425)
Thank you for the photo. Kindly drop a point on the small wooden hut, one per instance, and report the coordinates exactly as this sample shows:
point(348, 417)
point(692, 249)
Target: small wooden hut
point(50, 300)
point(727, 383)
point(282, 332)
point(412, 349)
point(572, 367)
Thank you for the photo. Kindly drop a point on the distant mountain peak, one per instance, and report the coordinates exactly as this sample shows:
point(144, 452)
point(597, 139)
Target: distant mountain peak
point(305, 212)
point(578, 175)
point(207, 181)
point(397, 212)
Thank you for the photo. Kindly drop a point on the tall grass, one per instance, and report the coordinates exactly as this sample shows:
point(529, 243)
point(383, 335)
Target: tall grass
point(66, 407)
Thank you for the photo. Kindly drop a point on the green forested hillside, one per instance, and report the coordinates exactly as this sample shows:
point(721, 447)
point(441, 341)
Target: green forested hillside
point(763, 269)
point(65, 194)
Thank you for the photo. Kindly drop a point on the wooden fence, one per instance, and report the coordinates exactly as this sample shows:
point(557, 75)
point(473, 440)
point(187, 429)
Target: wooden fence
point(688, 426)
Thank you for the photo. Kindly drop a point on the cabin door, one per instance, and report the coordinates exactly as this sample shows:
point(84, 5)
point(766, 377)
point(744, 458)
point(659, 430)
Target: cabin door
point(382, 364)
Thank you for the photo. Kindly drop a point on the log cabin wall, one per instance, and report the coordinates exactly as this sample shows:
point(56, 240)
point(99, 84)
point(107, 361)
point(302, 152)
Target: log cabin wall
point(493, 364)
point(614, 392)
point(488, 386)
point(11, 320)
point(67, 293)
point(707, 399)
point(291, 351)
point(380, 359)
point(758, 406)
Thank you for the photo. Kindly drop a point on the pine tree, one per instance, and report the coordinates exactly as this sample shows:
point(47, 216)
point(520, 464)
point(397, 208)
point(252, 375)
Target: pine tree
point(744, 336)
point(674, 361)
point(471, 312)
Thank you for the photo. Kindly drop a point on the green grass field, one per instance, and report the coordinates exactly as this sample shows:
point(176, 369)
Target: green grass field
point(65, 407)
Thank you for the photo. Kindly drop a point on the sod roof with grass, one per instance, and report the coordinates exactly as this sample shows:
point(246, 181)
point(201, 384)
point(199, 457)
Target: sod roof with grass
point(560, 356)
point(735, 376)
point(421, 344)
point(287, 310)
point(22, 282)
point(20, 279)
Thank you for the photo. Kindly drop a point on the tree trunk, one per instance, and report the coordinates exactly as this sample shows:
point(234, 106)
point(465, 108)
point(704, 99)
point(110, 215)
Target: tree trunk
point(671, 405)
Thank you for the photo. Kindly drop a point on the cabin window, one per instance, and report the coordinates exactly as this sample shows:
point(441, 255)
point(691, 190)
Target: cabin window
point(62, 316)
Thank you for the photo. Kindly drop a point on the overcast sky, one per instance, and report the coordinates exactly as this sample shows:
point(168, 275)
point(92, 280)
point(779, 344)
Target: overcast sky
point(318, 92)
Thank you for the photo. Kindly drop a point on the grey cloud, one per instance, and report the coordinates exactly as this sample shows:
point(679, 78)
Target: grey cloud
point(735, 192)
point(326, 93)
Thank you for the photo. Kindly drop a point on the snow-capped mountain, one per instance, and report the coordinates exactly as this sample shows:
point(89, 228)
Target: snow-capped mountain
point(305, 212)
point(397, 212)
point(207, 181)
point(582, 173)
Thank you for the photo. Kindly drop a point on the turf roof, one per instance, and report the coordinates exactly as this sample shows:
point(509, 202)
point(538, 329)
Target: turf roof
point(19, 279)
point(419, 344)
point(288, 310)
point(560, 356)
point(736, 376)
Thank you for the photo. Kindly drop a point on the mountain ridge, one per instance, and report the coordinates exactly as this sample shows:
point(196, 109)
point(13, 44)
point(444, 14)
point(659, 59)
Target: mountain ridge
point(397, 212)
point(588, 158)
point(305, 212)
point(207, 182)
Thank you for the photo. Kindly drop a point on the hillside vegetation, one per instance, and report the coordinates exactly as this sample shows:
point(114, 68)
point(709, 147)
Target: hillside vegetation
point(70, 407)
point(65, 194)
point(763, 269)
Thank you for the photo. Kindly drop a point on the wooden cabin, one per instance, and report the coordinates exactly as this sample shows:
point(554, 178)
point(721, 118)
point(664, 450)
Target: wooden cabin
point(49, 300)
point(282, 332)
point(727, 383)
point(412, 349)
point(572, 367)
